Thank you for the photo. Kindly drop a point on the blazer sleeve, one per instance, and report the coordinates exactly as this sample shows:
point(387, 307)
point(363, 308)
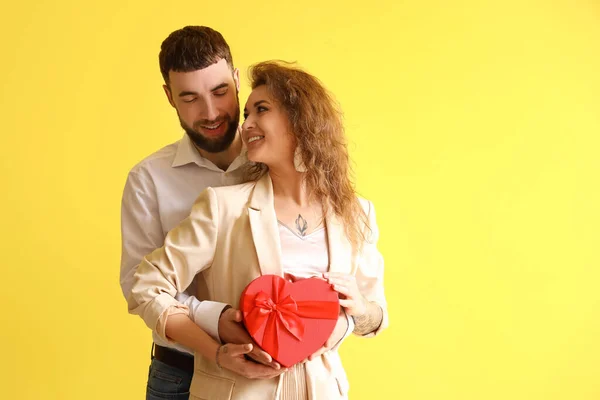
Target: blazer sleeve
point(188, 250)
point(369, 274)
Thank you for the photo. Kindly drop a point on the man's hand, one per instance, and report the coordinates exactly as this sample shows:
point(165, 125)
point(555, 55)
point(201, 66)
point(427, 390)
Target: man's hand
point(231, 330)
point(341, 327)
point(232, 357)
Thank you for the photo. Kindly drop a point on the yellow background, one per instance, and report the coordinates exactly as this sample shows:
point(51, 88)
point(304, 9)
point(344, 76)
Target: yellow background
point(474, 127)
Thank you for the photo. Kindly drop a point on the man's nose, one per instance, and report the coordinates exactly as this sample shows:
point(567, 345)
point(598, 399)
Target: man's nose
point(210, 111)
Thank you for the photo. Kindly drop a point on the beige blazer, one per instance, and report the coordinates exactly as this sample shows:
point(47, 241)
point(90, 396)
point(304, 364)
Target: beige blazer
point(232, 237)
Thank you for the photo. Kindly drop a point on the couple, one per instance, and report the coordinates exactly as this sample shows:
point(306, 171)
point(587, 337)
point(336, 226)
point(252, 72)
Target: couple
point(296, 216)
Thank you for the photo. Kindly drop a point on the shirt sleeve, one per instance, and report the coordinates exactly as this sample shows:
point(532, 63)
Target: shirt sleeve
point(141, 228)
point(369, 275)
point(204, 313)
point(142, 233)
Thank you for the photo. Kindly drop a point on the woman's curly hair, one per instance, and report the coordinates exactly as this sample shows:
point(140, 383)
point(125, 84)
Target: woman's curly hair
point(316, 122)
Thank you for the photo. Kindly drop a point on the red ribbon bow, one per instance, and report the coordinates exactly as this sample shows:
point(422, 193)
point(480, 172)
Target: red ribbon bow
point(283, 314)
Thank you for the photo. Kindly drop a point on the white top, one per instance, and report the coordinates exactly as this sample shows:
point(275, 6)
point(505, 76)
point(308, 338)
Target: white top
point(303, 256)
point(158, 195)
point(306, 257)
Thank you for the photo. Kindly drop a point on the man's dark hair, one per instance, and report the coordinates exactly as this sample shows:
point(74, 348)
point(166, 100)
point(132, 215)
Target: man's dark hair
point(192, 48)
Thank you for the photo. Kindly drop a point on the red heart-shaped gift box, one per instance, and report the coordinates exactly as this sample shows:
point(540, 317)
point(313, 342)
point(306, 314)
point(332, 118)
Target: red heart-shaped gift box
point(290, 321)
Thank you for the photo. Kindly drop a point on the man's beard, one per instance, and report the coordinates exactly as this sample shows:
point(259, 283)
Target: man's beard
point(214, 145)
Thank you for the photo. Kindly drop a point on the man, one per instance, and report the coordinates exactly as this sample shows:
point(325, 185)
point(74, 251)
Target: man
point(202, 86)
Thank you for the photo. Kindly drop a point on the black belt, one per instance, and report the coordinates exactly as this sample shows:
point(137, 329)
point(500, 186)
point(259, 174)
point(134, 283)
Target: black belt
point(174, 358)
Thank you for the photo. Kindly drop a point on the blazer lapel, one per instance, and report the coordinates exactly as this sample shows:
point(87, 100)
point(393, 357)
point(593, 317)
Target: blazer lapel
point(340, 249)
point(263, 223)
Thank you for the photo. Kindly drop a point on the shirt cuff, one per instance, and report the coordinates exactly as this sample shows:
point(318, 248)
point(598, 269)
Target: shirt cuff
point(207, 316)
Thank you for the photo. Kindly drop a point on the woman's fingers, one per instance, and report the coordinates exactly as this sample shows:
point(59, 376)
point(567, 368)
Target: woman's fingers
point(338, 276)
point(345, 284)
point(337, 281)
point(346, 303)
point(341, 289)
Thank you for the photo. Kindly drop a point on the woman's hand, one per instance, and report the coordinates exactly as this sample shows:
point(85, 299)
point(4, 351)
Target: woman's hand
point(350, 297)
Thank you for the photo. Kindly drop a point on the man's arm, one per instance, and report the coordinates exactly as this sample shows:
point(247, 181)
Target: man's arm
point(231, 356)
point(142, 233)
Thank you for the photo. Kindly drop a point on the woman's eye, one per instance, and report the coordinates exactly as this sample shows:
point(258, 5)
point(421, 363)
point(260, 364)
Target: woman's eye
point(261, 109)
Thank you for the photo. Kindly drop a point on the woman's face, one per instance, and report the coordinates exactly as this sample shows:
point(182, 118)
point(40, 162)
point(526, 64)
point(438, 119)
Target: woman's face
point(267, 131)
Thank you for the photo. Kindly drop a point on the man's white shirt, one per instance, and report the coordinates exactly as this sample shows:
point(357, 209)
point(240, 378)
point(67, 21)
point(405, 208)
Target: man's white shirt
point(158, 195)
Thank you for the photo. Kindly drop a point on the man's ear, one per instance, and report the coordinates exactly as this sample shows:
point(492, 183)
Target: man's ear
point(169, 95)
point(236, 79)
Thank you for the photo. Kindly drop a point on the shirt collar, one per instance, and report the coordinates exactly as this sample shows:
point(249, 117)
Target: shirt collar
point(187, 154)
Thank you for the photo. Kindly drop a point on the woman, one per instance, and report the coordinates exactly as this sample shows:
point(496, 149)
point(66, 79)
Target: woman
point(299, 215)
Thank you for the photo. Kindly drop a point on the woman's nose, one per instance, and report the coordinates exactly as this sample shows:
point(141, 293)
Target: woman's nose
point(247, 124)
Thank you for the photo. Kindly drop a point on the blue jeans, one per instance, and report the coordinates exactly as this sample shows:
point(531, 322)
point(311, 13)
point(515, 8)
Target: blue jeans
point(166, 382)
